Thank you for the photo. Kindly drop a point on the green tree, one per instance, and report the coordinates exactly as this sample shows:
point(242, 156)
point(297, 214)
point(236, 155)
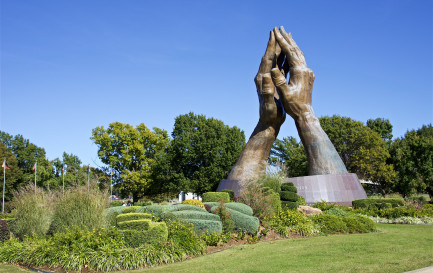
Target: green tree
point(201, 154)
point(13, 177)
point(27, 154)
point(412, 157)
point(290, 152)
point(383, 127)
point(131, 153)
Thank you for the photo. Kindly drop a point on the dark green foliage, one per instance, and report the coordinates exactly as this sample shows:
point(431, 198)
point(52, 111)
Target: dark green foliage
point(182, 234)
point(202, 225)
point(193, 214)
point(201, 154)
point(116, 203)
point(288, 187)
point(289, 184)
point(337, 211)
point(142, 224)
point(216, 197)
point(367, 203)
point(231, 194)
point(160, 210)
point(4, 231)
point(132, 216)
point(381, 126)
point(272, 182)
point(241, 207)
point(368, 224)
point(288, 196)
point(130, 209)
point(289, 205)
point(157, 234)
point(225, 217)
point(354, 225)
point(292, 154)
point(243, 221)
point(330, 224)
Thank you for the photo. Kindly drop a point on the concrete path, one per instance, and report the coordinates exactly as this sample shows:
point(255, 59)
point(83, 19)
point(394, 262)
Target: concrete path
point(423, 270)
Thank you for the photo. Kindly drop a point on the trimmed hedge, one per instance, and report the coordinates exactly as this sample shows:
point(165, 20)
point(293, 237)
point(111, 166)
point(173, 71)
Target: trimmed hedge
point(193, 214)
point(287, 187)
point(289, 205)
point(142, 224)
point(157, 234)
point(243, 221)
point(288, 196)
point(330, 224)
point(241, 207)
point(287, 184)
point(209, 225)
point(216, 197)
point(160, 210)
point(132, 216)
point(369, 203)
point(231, 194)
point(194, 202)
point(130, 209)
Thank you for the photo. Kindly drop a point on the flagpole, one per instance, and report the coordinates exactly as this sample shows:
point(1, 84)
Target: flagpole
point(36, 170)
point(4, 182)
point(63, 176)
point(88, 179)
point(111, 183)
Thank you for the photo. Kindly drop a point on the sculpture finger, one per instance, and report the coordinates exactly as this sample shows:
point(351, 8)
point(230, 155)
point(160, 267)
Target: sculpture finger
point(269, 57)
point(288, 37)
point(268, 89)
point(279, 80)
point(289, 50)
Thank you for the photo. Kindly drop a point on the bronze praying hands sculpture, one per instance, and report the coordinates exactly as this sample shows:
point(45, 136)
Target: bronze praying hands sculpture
point(283, 59)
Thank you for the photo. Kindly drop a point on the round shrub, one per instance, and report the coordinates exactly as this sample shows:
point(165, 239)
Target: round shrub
point(243, 221)
point(194, 202)
point(301, 201)
point(354, 225)
point(156, 234)
point(216, 197)
point(231, 194)
point(288, 196)
point(132, 216)
point(287, 187)
point(337, 211)
point(368, 223)
point(130, 209)
point(142, 224)
point(193, 214)
point(289, 205)
point(241, 207)
point(202, 225)
point(5, 234)
point(330, 224)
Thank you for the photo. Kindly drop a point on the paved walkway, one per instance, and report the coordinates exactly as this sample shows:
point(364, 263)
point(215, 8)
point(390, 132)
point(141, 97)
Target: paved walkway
point(423, 270)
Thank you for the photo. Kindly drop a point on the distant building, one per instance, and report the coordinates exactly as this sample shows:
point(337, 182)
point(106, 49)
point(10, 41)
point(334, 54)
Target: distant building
point(188, 195)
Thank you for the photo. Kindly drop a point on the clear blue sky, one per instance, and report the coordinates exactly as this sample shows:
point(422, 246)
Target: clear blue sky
point(69, 66)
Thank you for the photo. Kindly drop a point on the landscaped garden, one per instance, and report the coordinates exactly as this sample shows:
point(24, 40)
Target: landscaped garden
point(266, 228)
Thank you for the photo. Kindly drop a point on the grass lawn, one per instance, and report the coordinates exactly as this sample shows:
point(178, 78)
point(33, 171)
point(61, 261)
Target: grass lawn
point(395, 248)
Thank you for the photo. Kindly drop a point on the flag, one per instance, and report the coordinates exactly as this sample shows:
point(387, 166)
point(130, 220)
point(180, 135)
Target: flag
point(88, 169)
point(63, 170)
point(34, 168)
point(5, 165)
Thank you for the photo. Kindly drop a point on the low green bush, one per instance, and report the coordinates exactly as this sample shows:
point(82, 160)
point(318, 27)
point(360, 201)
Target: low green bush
point(130, 209)
point(157, 234)
point(231, 194)
point(330, 224)
point(116, 203)
point(273, 182)
point(216, 197)
point(142, 224)
point(193, 214)
point(111, 215)
point(323, 205)
point(182, 234)
point(288, 196)
point(132, 216)
point(289, 205)
point(194, 202)
point(202, 225)
point(301, 201)
point(287, 187)
point(158, 210)
point(354, 225)
point(143, 203)
point(243, 221)
point(5, 234)
point(337, 211)
point(369, 224)
point(240, 207)
point(366, 203)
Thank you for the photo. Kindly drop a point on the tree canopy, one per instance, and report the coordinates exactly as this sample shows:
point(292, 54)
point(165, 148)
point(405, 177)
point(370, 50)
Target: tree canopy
point(201, 154)
point(130, 152)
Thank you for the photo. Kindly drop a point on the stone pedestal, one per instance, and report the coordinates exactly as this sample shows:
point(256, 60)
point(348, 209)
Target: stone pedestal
point(334, 188)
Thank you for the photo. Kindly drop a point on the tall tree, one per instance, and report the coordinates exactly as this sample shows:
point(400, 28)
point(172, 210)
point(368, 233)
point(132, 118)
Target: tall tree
point(291, 152)
point(201, 154)
point(131, 153)
point(383, 127)
point(412, 157)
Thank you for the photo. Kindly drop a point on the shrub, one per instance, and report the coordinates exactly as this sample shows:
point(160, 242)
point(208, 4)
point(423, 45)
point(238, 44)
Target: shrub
point(111, 215)
point(287, 187)
point(329, 224)
point(130, 209)
point(366, 203)
point(156, 234)
point(116, 203)
point(242, 221)
point(337, 211)
point(81, 207)
point(132, 216)
point(367, 222)
point(354, 225)
point(216, 197)
point(272, 182)
point(5, 234)
point(288, 196)
point(143, 203)
point(226, 218)
point(193, 214)
point(260, 202)
point(426, 210)
point(306, 229)
point(207, 207)
point(301, 201)
point(202, 225)
point(160, 210)
point(33, 212)
point(194, 202)
point(241, 207)
point(323, 205)
point(142, 224)
point(231, 194)
point(289, 205)
point(211, 238)
point(181, 233)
